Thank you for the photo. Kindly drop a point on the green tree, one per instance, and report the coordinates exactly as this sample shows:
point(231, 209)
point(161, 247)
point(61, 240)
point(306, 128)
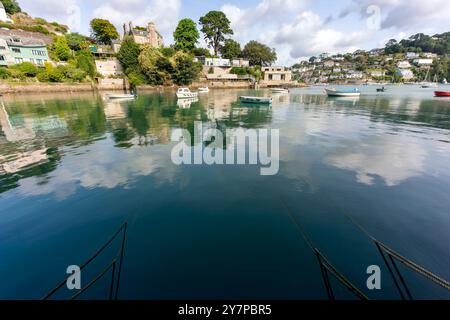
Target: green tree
point(199, 52)
point(85, 61)
point(186, 70)
point(103, 31)
point(61, 49)
point(129, 52)
point(75, 40)
point(231, 49)
point(259, 54)
point(215, 27)
point(11, 6)
point(186, 35)
point(154, 66)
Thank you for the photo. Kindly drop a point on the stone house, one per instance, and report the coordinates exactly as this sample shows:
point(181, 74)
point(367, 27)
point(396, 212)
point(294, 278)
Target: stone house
point(148, 35)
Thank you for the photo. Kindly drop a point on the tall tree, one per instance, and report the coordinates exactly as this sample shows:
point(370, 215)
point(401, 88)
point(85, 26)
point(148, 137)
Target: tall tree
point(11, 6)
point(186, 70)
point(186, 35)
point(75, 40)
point(103, 31)
point(129, 52)
point(259, 54)
point(231, 49)
point(215, 27)
point(61, 49)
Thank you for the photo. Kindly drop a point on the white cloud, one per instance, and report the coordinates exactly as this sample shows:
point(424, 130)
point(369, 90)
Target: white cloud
point(308, 35)
point(391, 160)
point(286, 25)
point(405, 13)
point(165, 13)
point(63, 11)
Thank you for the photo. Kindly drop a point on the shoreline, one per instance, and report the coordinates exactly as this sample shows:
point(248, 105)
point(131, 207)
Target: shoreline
point(33, 88)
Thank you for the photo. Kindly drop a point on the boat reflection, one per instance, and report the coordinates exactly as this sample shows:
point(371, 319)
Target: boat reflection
point(186, 102)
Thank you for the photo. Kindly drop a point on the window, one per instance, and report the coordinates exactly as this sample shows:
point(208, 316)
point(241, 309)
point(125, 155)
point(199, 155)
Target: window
point(39, 62)
point(2, 48)
point(2, 58)
point(16, 50)
point(18, 60)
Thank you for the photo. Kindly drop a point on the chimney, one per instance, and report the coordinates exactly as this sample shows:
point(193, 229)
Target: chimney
point(125, 29)
point(131, 27)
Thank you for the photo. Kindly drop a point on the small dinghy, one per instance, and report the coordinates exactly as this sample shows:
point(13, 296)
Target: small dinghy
point(255, 100)
point(442, 93)
point(203, 90)
point(120, 96)
point(185, 93)
point(343, 93)
point(280, 90)
point(383, 89)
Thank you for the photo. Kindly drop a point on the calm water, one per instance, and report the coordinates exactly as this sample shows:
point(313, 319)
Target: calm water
point(76, 167)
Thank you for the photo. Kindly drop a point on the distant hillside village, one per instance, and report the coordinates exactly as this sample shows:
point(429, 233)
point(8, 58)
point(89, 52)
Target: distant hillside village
point(419, 58)
point(33, 50)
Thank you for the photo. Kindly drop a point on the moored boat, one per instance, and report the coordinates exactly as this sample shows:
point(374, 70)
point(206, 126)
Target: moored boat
point(255, 100)
point(343, 93)
point(442, 93)
point(280, 90)
point(120, 96)
point(184, 93)
point(203, 90)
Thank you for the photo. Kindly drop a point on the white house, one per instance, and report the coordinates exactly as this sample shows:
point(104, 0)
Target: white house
point(430, 55)
point(412, 55)
point(403, 65)
point(3, 15)
point(406, 74)
point(423, 62)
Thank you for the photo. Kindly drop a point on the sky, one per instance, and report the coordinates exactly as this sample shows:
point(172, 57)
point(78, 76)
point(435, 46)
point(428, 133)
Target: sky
point(297, 29)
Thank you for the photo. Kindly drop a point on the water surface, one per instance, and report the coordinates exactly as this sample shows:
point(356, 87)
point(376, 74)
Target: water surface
point(74, 168)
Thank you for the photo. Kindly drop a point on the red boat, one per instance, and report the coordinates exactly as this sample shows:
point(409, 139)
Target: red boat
point(442, 93)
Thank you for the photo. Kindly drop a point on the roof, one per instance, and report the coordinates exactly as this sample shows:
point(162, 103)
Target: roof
point(22, 42)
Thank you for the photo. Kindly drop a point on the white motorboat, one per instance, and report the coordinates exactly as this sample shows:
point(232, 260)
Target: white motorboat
point(343, 93)
point(255, 100)
point(280, 90)
point(120, 96)
point(203, 90)
point(185, 93)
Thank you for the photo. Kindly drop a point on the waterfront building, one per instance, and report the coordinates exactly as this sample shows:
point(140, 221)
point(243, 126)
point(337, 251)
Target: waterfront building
point(141, 35)
point(14, 50)
point(276, 75)
point(110, 67)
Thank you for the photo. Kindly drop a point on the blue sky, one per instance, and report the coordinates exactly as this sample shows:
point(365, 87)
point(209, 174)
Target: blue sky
point(297, 29)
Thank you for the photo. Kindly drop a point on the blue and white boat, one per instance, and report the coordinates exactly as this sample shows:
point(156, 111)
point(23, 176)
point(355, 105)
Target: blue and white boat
point(343, 93)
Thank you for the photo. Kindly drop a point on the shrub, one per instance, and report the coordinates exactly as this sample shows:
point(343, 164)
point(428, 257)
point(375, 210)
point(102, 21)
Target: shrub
point(27, 68)
point(85, 61)
point(239, 71)
point(4, 73)
point(17, 74)
point(72, 73)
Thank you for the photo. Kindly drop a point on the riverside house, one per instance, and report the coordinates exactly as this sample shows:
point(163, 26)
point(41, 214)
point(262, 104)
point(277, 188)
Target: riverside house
point(14, 50)
point(148, 35)
point(276, 76)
